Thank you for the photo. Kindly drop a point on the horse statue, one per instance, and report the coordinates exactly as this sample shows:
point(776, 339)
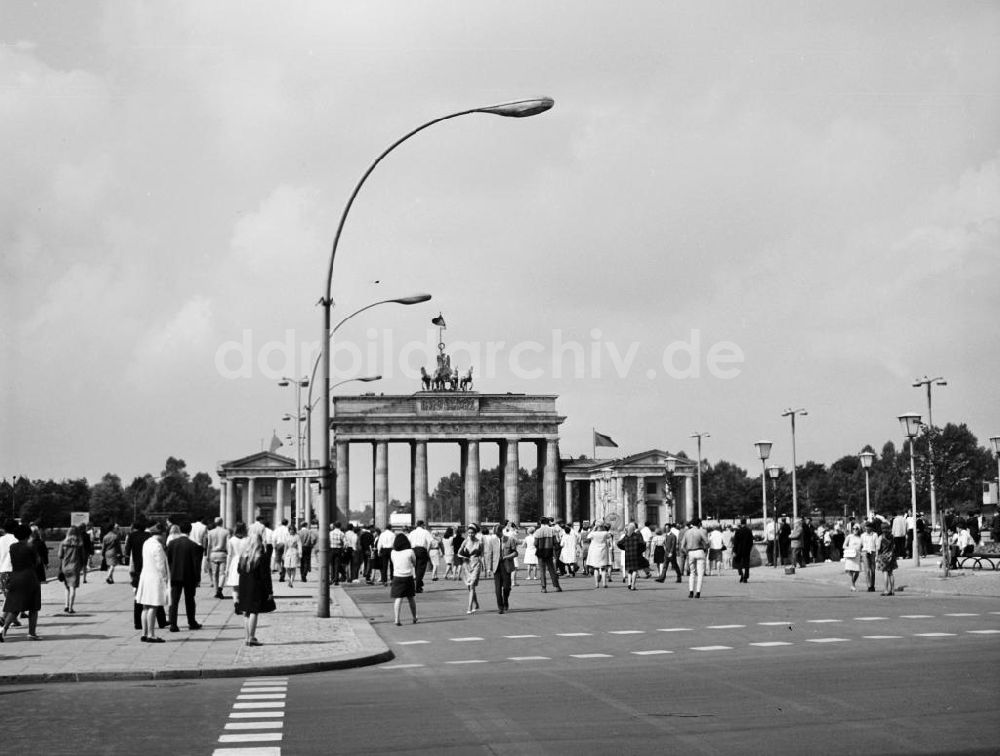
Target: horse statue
point(425, 379)
point(453, 380)
point(466, 383)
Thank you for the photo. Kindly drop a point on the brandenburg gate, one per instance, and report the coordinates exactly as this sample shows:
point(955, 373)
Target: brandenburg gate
point(439, 416)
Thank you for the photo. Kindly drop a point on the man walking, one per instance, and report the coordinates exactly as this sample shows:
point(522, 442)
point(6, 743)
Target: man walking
point(336, 552)
point(670, 554)
point(899, 528)
point(546, 540)
point(742, 545)
point(280, 536)
point(184, 562)
point(218, 547)
point(307, 540)
point(421, 541)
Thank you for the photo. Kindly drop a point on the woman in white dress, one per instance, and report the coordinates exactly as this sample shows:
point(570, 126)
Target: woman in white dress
point(153, 590)
point(530, 557)
point(292, 555)
point(567, 554)
point(237, 543)
point(599, 553)
point(852, 555)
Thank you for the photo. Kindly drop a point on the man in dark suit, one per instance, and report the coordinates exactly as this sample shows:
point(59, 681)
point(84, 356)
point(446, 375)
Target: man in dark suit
point(184, 559)
point(742, 546)
point(133, 550)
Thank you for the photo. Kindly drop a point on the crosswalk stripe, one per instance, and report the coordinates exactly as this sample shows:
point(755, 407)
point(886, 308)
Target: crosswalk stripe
point(260, 705)
point(572, 635)
point(262, 697)
point(711, 648)
point(254, 725)
point(516, 637)
point(255, 714)
point(673, 630)
point(626, 632)
point(463, 640)
point(261, 689)
point(651, 653)
point(528, 658)
point(591, 656)
point(250, 737)
point(827, 640)
point(869, 619)
point(769, 644)
point(261, 751)
point(916, 616)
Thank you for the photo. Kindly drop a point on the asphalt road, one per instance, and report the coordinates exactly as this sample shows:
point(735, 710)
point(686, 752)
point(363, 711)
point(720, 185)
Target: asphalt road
point(762, 668)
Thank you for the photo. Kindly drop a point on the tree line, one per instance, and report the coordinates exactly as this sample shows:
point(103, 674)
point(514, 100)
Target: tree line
point(173, 492)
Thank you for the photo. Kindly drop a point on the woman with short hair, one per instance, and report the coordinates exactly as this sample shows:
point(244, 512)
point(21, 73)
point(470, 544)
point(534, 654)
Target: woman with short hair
point(852, 555)
point(885, 558)
point(472, 552)
point(154, 582)
point(24, 592)
point(111, 548)
point(404, 567)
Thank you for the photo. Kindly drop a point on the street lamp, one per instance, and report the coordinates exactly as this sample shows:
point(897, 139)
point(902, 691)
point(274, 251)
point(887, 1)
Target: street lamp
point(699, 436)
point(764, 451)
point(929, 383)
point(910, 423)
point(514, 109)
point(795, 494)
point(773, 472)
point(867, 458)
point(670, 465)
point(300, 383)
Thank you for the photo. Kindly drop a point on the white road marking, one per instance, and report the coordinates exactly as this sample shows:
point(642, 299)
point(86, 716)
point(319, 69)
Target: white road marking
point(281, 689)
point(774, 624)
point(770, 644)
point(468, 661)
point(262, 751)
point(261, 697)
point(881, 637)
point(674, 630)
point(827, 640)
point(724, 627)
point(528, 658)
point(821, 621)
point(916, 616)
point(572, 635)
point(400, 666)
point(464, 640)
point(933, 635)
point(711, 648)
point(869, 619)
point(275, 679)
point(651, 653)
point(251, 737)
point(514, 637)
point(255, 714)
point(983, 632)
point(260, 705)
point(254, 725)
point(626, 632)
point(962, 614)
point(591, 656)
point(411, 643)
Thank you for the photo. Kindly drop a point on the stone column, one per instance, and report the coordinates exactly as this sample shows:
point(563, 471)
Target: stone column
point(420, 481)
point(381, 484)
point(471, 457)
point(540, 476)
point(593, 500)
point(223, 490)
point(511, 479)
point(550, 478)
point(342, 502)
point(249, 511)
point(640, 499)
point(688, 497)
point(232, 511)
point(569, 502)
point(279, 501)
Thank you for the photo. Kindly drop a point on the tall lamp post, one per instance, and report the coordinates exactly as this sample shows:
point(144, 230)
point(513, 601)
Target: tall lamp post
point(699, 436)
point(867, 458)
point(995, 443)
point(795, 493)
point(929, 383)
point(910, 423)
point(764, 451)
point(300, 383)
point(514, 109)
point(773, 472)
point(669, 465)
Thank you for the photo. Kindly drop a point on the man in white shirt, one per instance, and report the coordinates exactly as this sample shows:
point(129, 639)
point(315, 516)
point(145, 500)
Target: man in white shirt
point(280, 536)
point(421, 541)
point(352, 558)
point(769, 531)
point(6, 540)
point(383, 547)
point(899, 534)
point(647, 536)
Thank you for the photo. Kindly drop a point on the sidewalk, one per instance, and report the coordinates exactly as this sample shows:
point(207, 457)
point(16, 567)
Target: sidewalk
point(923, 580)
point(99, 642)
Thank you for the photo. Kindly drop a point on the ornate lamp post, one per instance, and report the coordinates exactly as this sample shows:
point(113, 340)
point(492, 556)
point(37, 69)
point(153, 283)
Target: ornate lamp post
point(514, 109)
point(795, 494)
point(669, 465)
point(764, 451)
point(699, 436)
point(910, 423)
point(773, 472)
point(867, 458)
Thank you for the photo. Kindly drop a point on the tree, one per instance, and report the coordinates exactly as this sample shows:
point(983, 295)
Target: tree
point(173, 492)
point(139, 495)
point(960, 465)
point(726, 490)
point(108, 503)
point(204, 497)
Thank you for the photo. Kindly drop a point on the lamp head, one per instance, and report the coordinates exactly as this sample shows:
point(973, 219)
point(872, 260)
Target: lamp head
point(519, 108)
point(670, 464)
point(283, 382)
point(412, 300)
point(763, 449)
point(370, 378)
point(773, 471)
point(867, 458)
point(910, 423)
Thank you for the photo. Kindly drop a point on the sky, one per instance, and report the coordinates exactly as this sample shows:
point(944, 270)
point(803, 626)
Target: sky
point(732, 209)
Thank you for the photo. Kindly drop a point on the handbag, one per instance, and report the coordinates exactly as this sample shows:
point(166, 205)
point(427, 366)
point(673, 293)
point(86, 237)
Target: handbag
point(850, 553)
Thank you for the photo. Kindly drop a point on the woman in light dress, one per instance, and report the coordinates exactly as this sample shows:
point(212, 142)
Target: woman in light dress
point(599, 553)
point(154, 583)
point(568, 552)
point(715, 547)
point(448, 545)
point(530, 557)
point(472, 552)
point(292, 555)
point(852, 555)
point(237, 542)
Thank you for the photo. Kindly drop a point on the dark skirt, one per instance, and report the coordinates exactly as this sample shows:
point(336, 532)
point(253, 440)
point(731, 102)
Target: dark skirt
point(403, 587)
point(659, 555)
point(24, 594)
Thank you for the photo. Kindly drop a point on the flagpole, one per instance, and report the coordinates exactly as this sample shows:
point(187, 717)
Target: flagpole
point(593, 442)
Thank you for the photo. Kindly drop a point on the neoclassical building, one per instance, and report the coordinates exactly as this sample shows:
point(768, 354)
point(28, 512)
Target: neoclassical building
point(262, 484)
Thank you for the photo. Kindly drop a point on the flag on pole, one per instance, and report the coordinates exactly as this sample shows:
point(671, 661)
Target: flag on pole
point(439, 321)
point(275, 442)
point(601, 440)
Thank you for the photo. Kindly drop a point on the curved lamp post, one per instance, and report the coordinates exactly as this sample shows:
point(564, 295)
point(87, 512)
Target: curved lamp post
point(867, 458)
point(910, 423)
point(514, 109)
